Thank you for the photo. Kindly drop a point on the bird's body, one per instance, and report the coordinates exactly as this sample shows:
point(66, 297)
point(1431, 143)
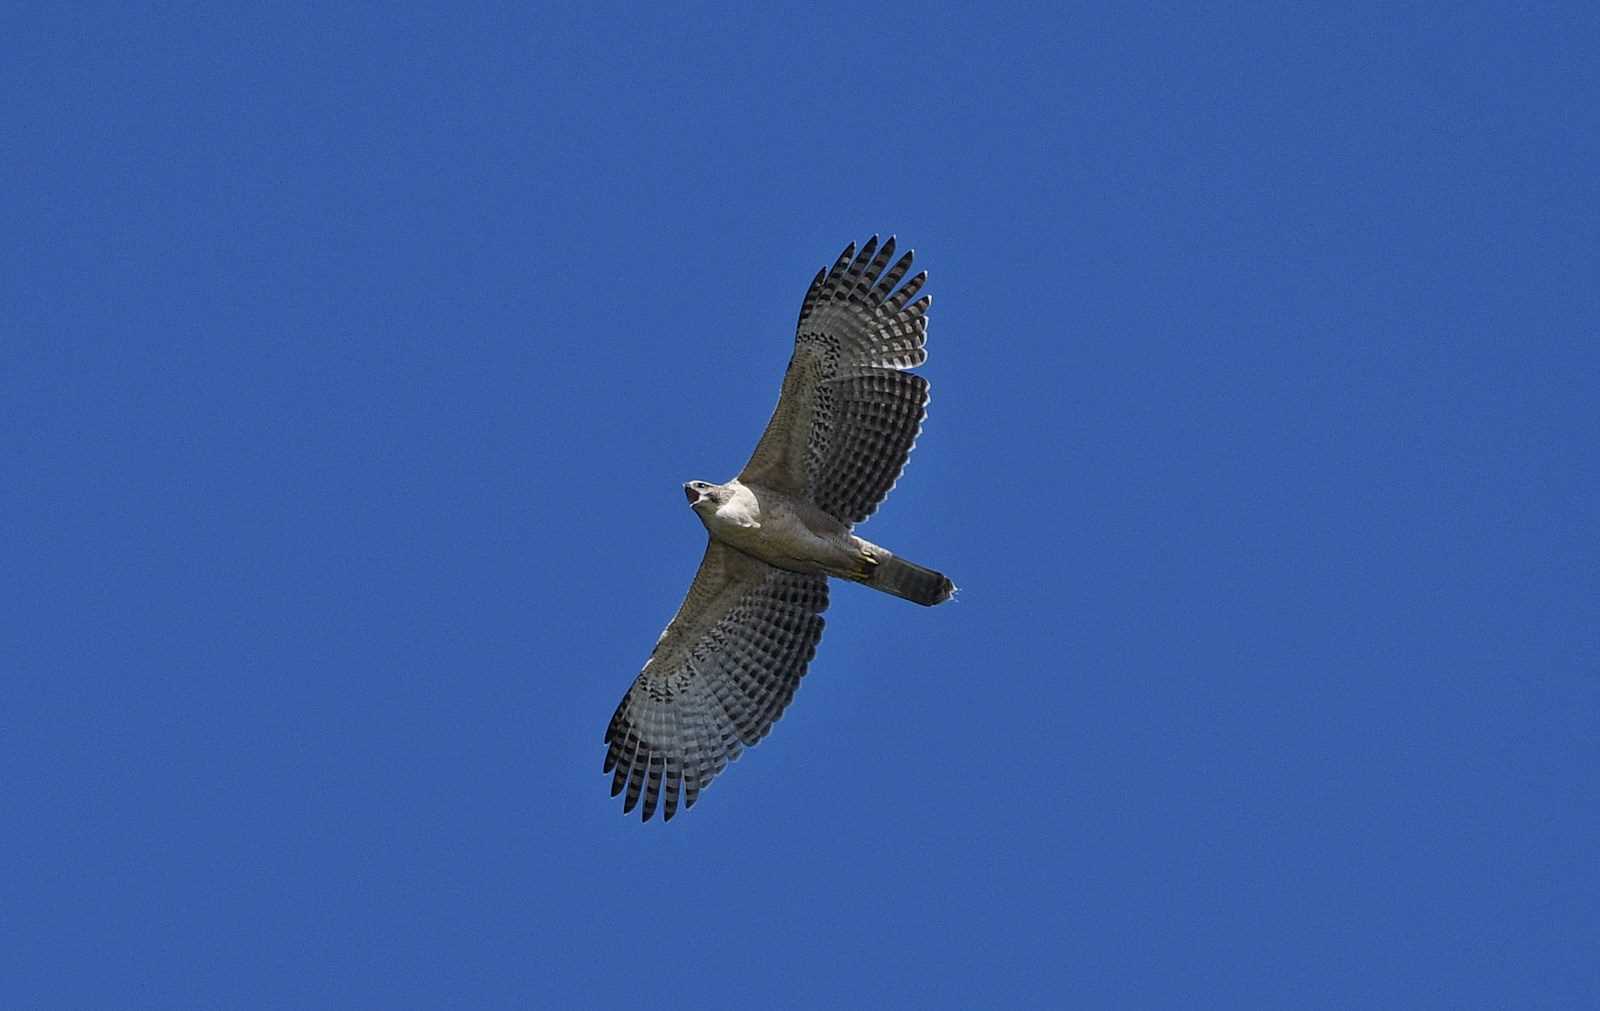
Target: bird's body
point(779, 529)
point(730, 660)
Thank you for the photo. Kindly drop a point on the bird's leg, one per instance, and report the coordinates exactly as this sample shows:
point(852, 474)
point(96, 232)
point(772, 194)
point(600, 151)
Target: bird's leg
point(868, 556)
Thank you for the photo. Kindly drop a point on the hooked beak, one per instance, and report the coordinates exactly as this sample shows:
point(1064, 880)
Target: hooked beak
point(693, 495)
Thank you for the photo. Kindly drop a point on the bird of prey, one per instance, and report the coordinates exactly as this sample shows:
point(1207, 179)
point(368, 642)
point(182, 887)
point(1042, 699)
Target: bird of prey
point(731, 658)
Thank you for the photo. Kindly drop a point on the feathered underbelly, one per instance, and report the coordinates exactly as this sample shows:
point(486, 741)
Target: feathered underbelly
point(783, 539)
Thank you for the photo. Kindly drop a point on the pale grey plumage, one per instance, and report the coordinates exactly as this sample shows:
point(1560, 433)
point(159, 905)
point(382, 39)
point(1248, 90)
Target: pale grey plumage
point(847, 417)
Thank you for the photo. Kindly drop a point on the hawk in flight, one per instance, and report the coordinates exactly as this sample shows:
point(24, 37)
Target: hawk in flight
point(732, 657)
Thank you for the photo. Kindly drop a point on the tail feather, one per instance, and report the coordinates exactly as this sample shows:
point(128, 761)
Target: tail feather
point(909, 581)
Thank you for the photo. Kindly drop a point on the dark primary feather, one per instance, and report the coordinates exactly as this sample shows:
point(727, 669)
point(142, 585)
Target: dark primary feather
point(848, 414)
point(866, 412)
point(705, 696)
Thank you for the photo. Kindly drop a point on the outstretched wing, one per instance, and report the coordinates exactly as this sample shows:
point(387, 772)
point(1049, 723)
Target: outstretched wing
point(719, 677)
point(849, 415)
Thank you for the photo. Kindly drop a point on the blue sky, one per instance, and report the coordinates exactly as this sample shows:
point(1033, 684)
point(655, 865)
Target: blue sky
point(351, 363)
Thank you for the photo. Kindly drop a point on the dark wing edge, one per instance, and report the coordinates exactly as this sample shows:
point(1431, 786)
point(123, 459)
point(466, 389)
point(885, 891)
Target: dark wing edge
point(849, 416)
point(721, 675)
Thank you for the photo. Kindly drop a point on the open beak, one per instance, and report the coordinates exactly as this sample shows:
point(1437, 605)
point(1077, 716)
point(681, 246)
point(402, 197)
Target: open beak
point(693, 495)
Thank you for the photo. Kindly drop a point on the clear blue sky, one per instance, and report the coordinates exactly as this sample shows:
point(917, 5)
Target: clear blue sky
point(350, 366)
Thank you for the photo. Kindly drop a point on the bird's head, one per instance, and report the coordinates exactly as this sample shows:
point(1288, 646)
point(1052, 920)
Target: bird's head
point(703, 494)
